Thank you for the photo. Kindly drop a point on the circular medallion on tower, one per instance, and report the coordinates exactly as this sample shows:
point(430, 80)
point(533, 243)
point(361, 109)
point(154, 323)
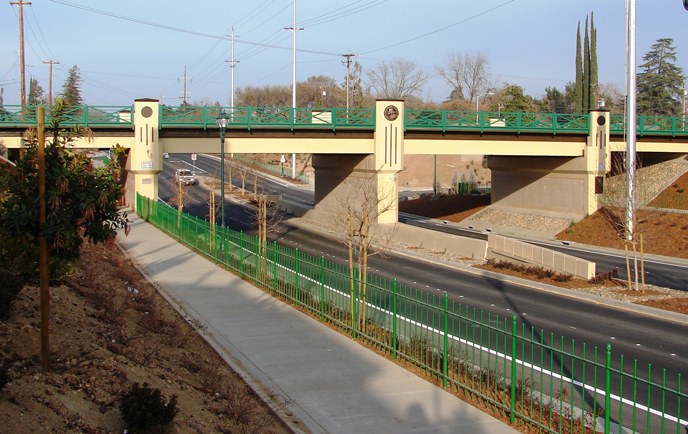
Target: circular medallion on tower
point(601, 120)
point(391, 113)
point(146, 112)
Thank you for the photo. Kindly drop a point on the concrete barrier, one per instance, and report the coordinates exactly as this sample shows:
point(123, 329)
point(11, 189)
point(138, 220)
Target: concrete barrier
point(507, 249)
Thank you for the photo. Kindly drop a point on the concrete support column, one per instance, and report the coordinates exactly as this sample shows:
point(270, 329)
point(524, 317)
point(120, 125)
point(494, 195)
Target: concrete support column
point(389, 157)
point(363, 178)
point(145, 158)
point(598, 158)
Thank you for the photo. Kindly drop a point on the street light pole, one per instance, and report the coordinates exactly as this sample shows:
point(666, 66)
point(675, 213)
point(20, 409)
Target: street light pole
point(631, 121)
point(222, 122)
point(477, 106)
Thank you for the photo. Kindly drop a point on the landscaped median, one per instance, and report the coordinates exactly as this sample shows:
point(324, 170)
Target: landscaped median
point(508, 249)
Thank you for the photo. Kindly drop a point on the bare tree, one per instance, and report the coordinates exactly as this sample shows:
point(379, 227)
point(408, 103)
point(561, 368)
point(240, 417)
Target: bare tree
point(244, 170)
point(616, 200)
point(398, 79)
point(179, 198)
point(356, 225)
point(467, 74)
point(267, 222)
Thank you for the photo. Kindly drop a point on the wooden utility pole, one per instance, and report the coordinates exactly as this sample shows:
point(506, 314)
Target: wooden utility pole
point(348, 65)
point(50, 81)
point(22, 61)
point(43, 256)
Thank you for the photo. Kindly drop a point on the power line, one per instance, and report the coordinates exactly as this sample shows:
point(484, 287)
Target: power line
point(440, 29)
point(332, 16)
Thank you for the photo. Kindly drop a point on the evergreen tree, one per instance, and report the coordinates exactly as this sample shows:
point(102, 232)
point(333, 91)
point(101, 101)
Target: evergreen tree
point(593, 80)
point(586, 70)
point(578, 91)
point(660, 85)
point(35, 93)
point(71, 88)
point(512, 100)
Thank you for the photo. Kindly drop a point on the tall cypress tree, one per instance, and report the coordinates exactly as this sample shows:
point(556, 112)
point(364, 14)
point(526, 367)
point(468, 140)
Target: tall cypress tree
point(586, 70)
point(578, 91)
point(594, 88)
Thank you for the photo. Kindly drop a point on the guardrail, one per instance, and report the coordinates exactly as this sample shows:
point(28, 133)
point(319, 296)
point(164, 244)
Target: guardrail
point(340, 118)
point(549, 384)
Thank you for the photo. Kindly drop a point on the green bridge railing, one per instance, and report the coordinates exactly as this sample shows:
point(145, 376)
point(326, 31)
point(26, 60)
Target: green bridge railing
point(339, 118)
point(86, 115)
point(252, 117)
point(547, 384)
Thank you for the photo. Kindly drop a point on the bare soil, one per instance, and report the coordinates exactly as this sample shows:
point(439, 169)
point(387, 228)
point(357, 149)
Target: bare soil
point(663, 233)
point(109, 329)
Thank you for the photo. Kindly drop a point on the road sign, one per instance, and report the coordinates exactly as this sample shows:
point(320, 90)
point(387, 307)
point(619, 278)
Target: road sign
point(193, 157)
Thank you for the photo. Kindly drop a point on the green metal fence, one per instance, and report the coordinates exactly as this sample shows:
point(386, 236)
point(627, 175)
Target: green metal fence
point(353, 118)
point(537, 380)
point(272, 117)
point(447, 120)
point(677, 201)
point(651, 125)
point(85, 116)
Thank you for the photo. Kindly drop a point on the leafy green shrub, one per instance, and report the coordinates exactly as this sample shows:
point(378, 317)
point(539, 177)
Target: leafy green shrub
point(143, 408)
point(9, 288)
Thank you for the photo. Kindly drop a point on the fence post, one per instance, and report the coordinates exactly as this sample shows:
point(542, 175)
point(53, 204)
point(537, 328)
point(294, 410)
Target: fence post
point(258, 247)
point(296, 276)
point(513, 370)
point(394, 319)
point(353, 306)
point(322, 288)
point(607, 388)
point(446, 341)
point(241, 254)
point(274, 264)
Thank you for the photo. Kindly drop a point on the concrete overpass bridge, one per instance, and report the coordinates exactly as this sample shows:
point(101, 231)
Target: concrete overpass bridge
point(551, 163)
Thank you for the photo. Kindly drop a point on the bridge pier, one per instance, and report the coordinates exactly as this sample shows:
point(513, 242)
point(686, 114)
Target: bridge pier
point(145, 156)
point(359, 181)
point(569, 187)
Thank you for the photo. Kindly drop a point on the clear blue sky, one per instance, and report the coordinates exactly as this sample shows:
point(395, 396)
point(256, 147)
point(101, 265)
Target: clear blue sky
point(137, 49)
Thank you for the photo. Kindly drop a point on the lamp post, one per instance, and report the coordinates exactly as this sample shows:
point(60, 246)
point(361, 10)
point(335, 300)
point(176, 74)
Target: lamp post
point(222, 122)
point(477, 105)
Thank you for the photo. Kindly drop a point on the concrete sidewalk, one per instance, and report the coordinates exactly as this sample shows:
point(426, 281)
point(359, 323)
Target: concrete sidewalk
point(318, 380)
